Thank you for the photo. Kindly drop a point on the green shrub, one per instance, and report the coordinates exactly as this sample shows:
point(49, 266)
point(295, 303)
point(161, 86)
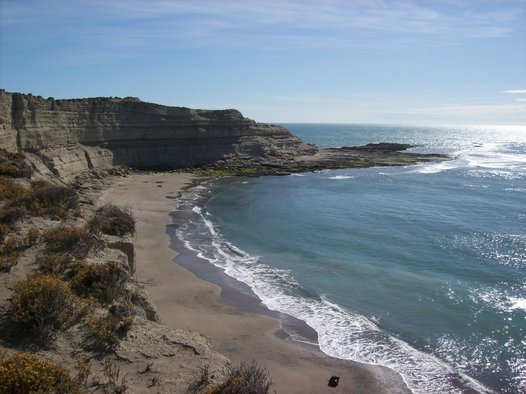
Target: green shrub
point(113, 220)
point(25, 373)
point(42, 305)
point(14, 165)
point(105, 282)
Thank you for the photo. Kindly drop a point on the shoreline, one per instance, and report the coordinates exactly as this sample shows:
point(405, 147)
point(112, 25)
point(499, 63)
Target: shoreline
point(238, 331)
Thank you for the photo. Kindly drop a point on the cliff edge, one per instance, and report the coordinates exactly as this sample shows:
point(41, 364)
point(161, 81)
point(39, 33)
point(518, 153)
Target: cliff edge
point(68, 137)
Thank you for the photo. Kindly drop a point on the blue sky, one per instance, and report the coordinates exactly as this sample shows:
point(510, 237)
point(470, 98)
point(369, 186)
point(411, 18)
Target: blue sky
point(374, 61)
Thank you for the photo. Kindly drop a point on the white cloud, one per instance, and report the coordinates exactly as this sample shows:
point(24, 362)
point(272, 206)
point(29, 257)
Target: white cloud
point(255, 22)
point(515, 91)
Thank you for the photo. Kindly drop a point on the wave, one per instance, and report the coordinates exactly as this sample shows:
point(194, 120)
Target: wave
point(503, 160)
point(341, 333)
point(339, 177)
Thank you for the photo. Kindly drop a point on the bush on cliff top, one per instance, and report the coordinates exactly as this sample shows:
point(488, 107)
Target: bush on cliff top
point(40, 199)
point(42, 305)
point(244, 379)
point(10, 252)
point(75, 242)
point(49, 199)
point(10, 189)
point(25, 373)
point(113, 220)
point(106, 331)
point(105, 282)
point(14, 165)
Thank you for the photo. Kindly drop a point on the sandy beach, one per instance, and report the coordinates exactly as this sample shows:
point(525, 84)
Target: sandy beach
point(185, 301)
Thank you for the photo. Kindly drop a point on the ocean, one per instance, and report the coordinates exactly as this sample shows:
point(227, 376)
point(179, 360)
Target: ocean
point(421, 269)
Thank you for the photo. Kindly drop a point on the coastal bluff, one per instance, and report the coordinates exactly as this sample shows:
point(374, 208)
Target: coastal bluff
point(65, 138)
point(68, 137)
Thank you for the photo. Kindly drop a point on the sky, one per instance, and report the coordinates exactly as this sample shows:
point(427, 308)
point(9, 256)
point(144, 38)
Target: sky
point(322, 61)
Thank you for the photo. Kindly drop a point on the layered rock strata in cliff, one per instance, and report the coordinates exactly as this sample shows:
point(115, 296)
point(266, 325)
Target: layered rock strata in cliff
point(72, 136)
point(66, 138)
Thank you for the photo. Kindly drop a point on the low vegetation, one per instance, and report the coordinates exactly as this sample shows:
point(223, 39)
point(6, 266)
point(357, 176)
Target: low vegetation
point(105, 281)
point(42, 305)
point(11, 189)
point(4, 231)
point(67, 292)
point(10, 252)
point(107, 330)
point(243, 379)
point(113, 220)
point(53, 263)
point(11, 214)
point(115, 384)
point(14, 165)
point(40, 199)
point(63, 239)
point(48, 199)
point(26, 373)
point(222, 172)
point(74, 241)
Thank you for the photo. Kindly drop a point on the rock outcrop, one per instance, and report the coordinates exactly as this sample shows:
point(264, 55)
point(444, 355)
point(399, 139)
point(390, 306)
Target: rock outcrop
point(66, 138)
point(72, 136)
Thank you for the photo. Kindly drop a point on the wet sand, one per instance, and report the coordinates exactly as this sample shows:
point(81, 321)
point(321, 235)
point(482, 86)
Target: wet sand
point(224, 310)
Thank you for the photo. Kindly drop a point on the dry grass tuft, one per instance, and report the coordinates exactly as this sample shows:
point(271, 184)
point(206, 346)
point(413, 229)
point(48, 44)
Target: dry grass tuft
point(48, 199)
point(11, 214)
point(53, 263)
point(10, 252)
point(113, 220)
point(11, 189)
point(14, 165)
point(244, 379)
point(106, 331)
point(105, 282)
point(75, 242)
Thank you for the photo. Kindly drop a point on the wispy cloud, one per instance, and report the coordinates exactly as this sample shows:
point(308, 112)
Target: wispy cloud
point(515, 91)
point(293, 23)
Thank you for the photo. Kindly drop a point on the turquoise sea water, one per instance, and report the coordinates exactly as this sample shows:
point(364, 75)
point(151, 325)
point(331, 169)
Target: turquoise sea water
point(421, 269)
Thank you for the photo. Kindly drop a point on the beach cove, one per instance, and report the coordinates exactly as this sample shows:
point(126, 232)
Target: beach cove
point(186, 302)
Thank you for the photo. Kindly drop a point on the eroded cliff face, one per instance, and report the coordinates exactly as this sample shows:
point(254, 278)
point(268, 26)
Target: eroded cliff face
point(68, 137)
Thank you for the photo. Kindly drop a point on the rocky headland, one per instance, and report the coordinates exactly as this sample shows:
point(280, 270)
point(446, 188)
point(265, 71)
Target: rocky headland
point(55, 196)
point(65, 138)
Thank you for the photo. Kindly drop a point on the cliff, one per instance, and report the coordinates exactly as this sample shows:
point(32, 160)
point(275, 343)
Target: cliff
point(68, 137)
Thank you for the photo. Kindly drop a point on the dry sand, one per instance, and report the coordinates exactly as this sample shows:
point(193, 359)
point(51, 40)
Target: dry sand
point(184, 301)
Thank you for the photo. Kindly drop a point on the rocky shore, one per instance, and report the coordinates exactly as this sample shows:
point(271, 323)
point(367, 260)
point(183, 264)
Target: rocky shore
point(98, 150)
point(66, 138)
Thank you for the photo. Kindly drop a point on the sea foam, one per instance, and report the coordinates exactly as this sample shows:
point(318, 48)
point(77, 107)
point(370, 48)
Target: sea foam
point(341, 333)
